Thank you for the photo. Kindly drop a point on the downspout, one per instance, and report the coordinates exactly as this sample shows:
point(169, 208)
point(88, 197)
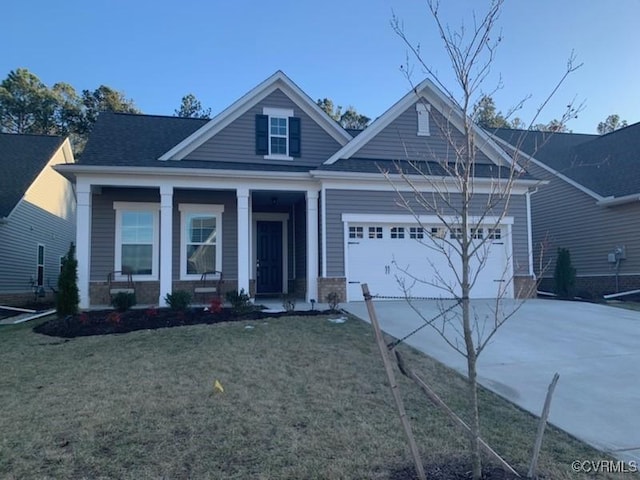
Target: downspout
point(529, 231)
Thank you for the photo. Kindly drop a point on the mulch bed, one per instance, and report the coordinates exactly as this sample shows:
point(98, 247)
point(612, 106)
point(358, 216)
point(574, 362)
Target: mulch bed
point(453, 469)
point(105, 322)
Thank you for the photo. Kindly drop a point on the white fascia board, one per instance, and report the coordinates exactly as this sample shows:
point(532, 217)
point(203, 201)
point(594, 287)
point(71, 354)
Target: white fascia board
point(392, 182)
point(424, 219)
point(613, 201)
point(544, 166)
point(430, 93)
point(276, 81)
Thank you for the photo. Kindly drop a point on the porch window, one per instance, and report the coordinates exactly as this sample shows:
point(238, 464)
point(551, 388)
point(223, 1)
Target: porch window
point(201, 245)
point(137, 239)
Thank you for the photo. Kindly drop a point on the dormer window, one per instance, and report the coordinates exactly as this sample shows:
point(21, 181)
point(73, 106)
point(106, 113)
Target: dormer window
point(423, 109)
point(277, 134)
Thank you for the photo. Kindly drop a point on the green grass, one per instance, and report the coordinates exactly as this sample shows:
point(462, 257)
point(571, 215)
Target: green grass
point(303, 398)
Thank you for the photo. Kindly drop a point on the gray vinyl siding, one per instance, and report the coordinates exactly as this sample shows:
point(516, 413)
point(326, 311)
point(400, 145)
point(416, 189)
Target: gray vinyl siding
point(400, 141)
point(103, 226)
point(28, 226)
point(237, 142)
point(373, 202)
point(565, 217)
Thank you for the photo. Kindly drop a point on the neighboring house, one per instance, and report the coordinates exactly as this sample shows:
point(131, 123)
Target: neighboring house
point(590, 205)
point(277, 196)
point(37, 214)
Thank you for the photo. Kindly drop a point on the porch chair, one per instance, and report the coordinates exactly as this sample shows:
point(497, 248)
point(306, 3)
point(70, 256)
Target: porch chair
point(210, 283)
point(118, 285)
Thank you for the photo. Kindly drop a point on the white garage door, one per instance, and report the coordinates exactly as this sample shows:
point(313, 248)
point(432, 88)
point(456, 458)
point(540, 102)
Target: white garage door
point(392, 258)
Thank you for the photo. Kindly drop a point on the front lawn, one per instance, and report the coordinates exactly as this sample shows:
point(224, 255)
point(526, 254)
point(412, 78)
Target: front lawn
point(303, 398)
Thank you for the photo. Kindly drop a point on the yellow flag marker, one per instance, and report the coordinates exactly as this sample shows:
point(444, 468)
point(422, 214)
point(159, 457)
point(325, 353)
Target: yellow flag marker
point(218, 386)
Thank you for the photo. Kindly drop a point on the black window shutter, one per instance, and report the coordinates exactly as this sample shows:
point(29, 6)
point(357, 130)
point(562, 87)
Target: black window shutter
point(262, 135)
point(294, 136)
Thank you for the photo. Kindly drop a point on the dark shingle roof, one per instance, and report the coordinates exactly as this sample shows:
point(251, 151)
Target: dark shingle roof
point(22, 158)
point(605, 164)
point(119, 139)
point(367, 165)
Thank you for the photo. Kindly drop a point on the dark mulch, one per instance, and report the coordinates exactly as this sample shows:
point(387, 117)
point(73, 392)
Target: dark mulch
point(105, 322)
point(453, 469)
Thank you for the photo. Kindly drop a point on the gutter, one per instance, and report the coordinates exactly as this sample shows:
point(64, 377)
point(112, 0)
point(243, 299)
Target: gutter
point(613, 201)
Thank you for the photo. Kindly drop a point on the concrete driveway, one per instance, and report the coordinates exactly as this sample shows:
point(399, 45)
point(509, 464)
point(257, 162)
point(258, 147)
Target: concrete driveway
point(594, 348)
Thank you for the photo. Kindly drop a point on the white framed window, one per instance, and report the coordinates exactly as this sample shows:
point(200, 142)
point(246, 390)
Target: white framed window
point(278, 132)
point(137, 239)
point(40, 266)
point(356, 232)
point(200, 239)
point(397, 232)
point(375, 232)
point(423, 109)
point(416, 233)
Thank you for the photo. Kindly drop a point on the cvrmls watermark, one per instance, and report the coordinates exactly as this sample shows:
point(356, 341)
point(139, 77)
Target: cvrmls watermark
point(604, 466)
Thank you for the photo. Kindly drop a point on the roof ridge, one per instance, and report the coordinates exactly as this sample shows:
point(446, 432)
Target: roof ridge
point(43, 135)
point(129, 114)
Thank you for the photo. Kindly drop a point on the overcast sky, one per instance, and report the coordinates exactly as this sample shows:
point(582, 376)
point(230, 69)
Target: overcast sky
point(157, 51)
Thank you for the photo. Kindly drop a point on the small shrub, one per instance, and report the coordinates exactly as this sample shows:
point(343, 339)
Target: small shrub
point(68, 297)
point(215, 306)
point(288, 302)
point(151, 312)
point(179, 300)
point(123, 301)
point(114, 318)
point(333, 299)
point(240, 302)
point(564, 274)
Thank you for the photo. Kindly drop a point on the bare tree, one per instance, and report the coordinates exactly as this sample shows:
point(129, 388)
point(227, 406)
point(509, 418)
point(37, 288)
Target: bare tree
point(469, 203)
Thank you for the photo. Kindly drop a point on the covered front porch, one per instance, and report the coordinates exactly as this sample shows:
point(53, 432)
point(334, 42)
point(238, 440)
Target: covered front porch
point(263, 237)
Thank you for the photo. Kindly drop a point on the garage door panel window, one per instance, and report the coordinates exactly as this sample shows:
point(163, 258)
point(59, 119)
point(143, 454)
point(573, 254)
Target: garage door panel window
point(375, 232)
point(416, 233)
point(397, 232)
point(356, 232)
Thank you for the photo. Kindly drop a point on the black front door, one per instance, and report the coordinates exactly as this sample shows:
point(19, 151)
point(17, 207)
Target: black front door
point(269, 255)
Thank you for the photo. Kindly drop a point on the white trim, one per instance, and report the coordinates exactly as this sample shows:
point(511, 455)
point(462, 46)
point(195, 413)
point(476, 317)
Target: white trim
point(83, 239)
point(613, 201)
point(423, 110)
point(529, 233)
point(509, 273)
point(424, 219)
point(154, 209)
point(166, 245)
point(425, 91)
point(276, 81)
point(279, 157)
point(243, 243)
point(187, 209)
point(323, 235)
point(312, 245)
point(542, 165)
point(271, 217)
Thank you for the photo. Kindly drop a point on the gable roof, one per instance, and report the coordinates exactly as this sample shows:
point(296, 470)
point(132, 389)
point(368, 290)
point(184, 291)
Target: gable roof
point(276, 81)
point(605, 164)
point(430, 93)
point(22, 158)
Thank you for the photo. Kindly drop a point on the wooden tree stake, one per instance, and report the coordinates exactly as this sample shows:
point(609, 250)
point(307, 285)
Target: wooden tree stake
point(392, 382)
point(541, 426)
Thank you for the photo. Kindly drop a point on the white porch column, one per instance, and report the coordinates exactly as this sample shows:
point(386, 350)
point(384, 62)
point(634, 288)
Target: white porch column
point(83, 240)
point(242, 195)
point(166, 242)
point(312, 245)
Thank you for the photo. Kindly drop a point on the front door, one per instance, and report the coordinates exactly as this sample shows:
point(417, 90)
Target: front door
point(269, 257)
